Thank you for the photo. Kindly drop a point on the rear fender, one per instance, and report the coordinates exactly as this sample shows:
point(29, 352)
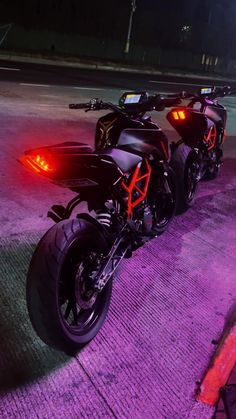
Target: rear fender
point(72, 166)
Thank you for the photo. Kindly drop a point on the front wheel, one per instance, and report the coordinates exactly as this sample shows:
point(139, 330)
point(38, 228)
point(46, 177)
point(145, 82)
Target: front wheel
point(185, 164)
point(64, 310)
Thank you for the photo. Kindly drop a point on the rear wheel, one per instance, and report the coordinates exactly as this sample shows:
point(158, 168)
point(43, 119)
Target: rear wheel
point(184, 163)
point(64, 310)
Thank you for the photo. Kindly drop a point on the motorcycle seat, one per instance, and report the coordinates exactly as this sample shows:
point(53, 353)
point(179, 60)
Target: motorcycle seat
point(123, 159)
point(73, 147)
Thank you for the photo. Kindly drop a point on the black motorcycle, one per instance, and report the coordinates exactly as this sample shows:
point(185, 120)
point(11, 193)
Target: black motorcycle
point(201, 125)
point(130, 190)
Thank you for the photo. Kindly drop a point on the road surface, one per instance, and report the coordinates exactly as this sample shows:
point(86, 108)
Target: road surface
point(169, 301)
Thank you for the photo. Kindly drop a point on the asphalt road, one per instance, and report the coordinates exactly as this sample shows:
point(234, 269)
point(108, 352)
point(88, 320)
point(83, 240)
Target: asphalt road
point(58, 75)
point(169, 301)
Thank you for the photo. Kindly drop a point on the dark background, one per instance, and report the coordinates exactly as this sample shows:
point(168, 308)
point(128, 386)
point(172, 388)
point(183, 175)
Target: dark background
point(188, 27)
point(156, 23)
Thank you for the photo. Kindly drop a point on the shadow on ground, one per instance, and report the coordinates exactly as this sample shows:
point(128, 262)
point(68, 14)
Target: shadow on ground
point(23, 357)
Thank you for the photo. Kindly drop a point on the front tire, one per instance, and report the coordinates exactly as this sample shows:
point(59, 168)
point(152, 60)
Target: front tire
point(183, 162)
point(63, 311)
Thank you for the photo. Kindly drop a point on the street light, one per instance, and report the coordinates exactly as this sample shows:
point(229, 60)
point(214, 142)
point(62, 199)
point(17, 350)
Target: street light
point(133, 8)
point(7, 28)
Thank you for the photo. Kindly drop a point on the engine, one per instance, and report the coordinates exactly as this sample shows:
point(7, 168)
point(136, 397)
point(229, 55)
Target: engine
point(143, 219)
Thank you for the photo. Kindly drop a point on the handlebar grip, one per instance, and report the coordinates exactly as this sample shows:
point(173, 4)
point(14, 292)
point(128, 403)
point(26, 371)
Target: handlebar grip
point(79, 105)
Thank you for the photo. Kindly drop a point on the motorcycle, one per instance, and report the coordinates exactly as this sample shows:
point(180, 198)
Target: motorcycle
point(202, 127)
point(130, 190)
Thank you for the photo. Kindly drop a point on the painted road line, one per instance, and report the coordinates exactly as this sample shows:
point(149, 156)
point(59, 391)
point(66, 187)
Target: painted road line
point(35, 85)
point(86, 88)
point(48, 105)
point(10, 69)
point(218, 374)
point(180, 83)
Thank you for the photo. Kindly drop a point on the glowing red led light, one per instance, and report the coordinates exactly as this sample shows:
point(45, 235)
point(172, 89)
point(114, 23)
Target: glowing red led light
point(37, 163)
point(41, 162)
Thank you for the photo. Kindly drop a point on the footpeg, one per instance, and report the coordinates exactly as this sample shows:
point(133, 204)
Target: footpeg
point(128, 254)
point(57, 214)
point(59, 210)
point(54, 217)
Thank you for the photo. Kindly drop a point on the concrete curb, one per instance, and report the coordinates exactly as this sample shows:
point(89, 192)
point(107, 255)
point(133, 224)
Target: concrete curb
point(220, 370)
point(97, 65)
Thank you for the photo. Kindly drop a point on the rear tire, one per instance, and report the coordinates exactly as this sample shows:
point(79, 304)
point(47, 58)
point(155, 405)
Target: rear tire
point(52, 286)
point(182, 160)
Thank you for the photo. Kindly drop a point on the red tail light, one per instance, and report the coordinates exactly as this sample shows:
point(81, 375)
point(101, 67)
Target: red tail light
point(37, 163)
point(42, 163)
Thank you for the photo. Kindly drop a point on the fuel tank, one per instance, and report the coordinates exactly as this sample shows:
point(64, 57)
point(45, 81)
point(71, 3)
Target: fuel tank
point(136, 136)
point(145, 141)
point(110, 126)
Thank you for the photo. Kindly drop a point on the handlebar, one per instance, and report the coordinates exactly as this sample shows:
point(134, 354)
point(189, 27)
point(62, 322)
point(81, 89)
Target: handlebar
point(95, 105)
point(213, 94)
point(79, 105)
point(155, 102)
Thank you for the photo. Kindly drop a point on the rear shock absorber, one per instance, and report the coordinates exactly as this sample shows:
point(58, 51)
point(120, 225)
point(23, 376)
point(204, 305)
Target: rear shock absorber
point(104, 217)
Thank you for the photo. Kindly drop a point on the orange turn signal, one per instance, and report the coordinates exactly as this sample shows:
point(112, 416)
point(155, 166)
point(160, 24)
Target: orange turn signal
point(179, 115)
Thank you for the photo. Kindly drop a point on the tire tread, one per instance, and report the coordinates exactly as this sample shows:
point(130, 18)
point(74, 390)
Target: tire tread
point(42, 278)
